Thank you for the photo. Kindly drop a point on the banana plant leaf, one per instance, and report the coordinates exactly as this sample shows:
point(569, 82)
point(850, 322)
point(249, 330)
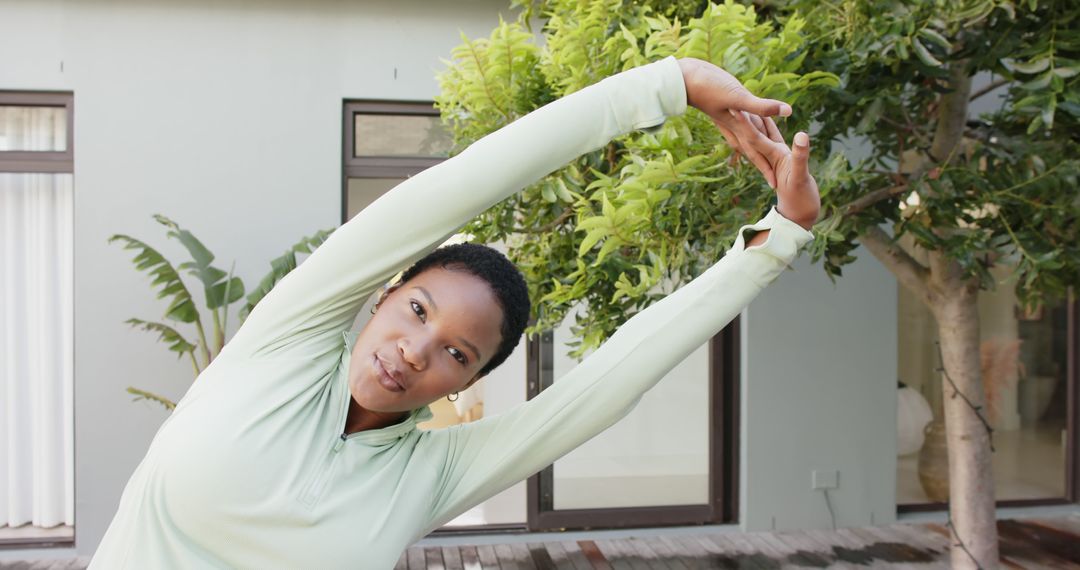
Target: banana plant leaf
point(221, 290)
point(177, 343)
point(281, 266)
point(165, 277)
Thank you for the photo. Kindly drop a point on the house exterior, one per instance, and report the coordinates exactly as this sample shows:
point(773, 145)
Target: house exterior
point(228, 117)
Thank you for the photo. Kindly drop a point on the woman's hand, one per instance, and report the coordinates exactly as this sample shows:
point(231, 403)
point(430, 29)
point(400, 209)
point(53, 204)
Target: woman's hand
point(716, 93)
point(796, 190)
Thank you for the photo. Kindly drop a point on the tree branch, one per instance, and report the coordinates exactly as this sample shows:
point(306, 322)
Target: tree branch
point(870, 198)
point(909, 272)
point(993, 85)
point(952, 113)
point(563, 216)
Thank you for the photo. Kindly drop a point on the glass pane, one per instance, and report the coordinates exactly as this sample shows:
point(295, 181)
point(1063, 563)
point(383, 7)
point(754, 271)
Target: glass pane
point(364, 191)
point(33, 128)
point(1023, 360)
point(656, 456)
point(400, 135)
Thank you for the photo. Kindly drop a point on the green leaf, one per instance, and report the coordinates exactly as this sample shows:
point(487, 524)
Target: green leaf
point(165, 277)
point(212, 278)
point(281, 266)
point(176, 341)
point(591, 239)
point(924, 54)
point(150, 396)
point(1033, 66)
point(935, 37)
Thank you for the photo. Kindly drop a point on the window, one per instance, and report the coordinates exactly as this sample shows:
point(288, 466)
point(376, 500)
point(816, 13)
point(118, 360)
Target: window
point(386, 143)
point(692, 483)
point(1028, 372)
point(36, 298)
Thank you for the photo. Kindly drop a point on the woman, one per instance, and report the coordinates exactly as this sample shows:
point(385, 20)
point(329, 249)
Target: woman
point(298, 447)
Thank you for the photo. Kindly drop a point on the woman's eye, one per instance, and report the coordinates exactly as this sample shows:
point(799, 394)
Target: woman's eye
point(418, 309)
point(458, 355)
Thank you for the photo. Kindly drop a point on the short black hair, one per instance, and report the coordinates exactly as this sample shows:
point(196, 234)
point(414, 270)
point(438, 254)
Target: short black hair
point(504, 279)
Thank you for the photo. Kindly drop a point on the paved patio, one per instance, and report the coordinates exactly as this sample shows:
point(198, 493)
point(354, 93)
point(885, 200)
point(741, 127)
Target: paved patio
point(1052, 542)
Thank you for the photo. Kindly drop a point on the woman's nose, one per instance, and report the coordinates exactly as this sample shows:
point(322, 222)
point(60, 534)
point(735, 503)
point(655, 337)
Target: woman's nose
point(414, 352)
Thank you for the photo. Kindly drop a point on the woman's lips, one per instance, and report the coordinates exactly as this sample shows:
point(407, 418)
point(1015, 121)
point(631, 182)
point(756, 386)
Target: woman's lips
point(385, 379)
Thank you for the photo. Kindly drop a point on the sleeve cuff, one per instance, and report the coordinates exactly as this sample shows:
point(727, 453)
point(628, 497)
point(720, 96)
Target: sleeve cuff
point(784, 241)
point(644, 97)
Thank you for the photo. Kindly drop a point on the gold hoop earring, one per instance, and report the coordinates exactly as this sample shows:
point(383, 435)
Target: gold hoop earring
point(455, 397)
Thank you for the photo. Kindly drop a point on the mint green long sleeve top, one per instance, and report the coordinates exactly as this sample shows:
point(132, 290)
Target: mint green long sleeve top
point(252, 469)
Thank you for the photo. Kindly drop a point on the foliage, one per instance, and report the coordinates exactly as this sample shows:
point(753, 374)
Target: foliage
point(618, 228)
point(1003, 191)
point(221, 290)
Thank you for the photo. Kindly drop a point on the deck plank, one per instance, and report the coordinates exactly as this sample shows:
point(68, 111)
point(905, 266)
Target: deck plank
point(616, 555)
point(470, 559)
point(889, 553)
point(541, 558)
point(594, 555)
point(508, 559)
point(416, 558)
point(452, 558)
point(522, 555)
point(1070, 525)
point(675, 559)
point(696, 558)
point(654, 559)
point(575, 555)
point(809, 552)
point(487, 556)
point(1039, 544)
point(433, 556)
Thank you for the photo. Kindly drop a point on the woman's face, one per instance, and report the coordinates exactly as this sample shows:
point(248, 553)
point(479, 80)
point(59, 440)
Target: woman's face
point(428, 338)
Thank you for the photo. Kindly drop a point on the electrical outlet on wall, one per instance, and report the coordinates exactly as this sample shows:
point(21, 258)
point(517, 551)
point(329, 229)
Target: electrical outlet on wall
point(825, 479)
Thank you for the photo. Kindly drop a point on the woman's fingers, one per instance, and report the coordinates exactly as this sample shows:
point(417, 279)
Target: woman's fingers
point(732, 140)
point(800, 158)
point(752, 144)
point(772, 131)
point(743, 100)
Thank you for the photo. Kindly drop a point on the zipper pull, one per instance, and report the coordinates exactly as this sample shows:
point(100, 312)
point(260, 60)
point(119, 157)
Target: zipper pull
point(339, 443)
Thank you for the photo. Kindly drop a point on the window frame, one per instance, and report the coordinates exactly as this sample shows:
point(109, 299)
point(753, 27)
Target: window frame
point(378, 166)
point(41, 161)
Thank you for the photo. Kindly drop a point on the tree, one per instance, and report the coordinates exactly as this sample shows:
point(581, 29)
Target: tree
point(618, 228)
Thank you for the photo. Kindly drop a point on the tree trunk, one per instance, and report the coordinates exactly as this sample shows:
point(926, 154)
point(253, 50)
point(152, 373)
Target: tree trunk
point(971, 477)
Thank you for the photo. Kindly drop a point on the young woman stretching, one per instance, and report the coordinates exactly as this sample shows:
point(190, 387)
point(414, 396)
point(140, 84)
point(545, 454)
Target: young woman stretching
point(298, 448)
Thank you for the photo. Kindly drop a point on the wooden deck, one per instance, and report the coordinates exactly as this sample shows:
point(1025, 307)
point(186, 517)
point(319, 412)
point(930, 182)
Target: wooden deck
point(1030, 543)
point(1025, 543)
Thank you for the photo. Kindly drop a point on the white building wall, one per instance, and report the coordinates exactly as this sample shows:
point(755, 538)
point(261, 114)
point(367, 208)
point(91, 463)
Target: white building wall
point(819, 393)
point(226, 116)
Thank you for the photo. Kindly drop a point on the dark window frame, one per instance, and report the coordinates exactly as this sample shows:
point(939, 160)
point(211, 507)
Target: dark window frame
point(39, 161)
point(378, 166)
point(722, 506)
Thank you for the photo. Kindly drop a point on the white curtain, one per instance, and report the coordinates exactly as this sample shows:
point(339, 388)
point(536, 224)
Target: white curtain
point(36, 402)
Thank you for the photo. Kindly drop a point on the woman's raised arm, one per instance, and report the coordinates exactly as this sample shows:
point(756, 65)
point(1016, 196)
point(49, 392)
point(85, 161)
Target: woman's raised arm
point(310, 308)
